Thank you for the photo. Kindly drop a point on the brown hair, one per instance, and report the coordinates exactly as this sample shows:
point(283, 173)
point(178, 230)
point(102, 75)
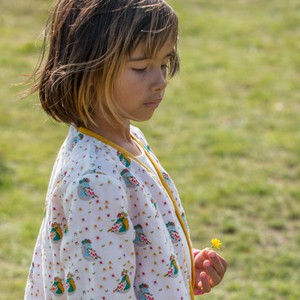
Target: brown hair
point(89, 40)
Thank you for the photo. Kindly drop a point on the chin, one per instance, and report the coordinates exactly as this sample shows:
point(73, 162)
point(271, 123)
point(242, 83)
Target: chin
point(143, 118)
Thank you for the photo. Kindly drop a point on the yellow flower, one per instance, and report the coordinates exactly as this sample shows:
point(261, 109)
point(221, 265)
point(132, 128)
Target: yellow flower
point(216, 243)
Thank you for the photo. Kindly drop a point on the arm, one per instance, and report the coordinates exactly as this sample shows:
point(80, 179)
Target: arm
point(97, 250)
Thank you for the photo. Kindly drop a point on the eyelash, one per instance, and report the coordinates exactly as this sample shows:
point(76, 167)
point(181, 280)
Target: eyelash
point(139, 70)
point(165, 66)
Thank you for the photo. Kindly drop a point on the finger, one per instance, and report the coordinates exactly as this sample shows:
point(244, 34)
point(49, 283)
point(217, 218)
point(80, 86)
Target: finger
point(204, 285)
point(213, 277)
point(197, 275)
point(198, 287)
point(201, 257)
point(218, 262)
point(223, 261)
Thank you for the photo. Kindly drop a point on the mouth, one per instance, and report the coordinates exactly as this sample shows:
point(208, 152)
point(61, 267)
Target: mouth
point(153, 104)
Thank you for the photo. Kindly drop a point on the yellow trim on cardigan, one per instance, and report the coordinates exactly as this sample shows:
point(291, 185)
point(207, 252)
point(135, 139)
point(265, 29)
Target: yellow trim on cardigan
point(163, 182)
point(158, 171)
point(108, 142)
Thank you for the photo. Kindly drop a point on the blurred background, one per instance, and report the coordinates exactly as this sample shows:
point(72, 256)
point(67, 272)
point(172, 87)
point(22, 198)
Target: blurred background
point(228, 133)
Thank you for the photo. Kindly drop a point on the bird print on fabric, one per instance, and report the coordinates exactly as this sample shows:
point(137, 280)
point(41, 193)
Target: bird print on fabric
point(140, 238)
point(147, 148)
point(30, 276)
point(57, 287)
point(124, 284)
point(129, 179)
point(85, 192)
point(121, 224)
point(70, 284)
point(173, 267)
point(61, 178)
point(75, 140)
point(88, 252)
point(56, 232)
point(124, 159)
point(66, 229)
point(175, 237)
point(155, 206)
point(184, 221)
point(166, 176)
point(144, 292)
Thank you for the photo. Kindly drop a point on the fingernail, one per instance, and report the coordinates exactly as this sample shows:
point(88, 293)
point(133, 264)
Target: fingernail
point(206, 264)
point(213, 254)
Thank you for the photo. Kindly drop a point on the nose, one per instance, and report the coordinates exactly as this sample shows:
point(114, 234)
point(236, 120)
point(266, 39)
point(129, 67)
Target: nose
point(161, 81)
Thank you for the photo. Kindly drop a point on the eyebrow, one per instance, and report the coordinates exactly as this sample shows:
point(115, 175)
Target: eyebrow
point(141, 58)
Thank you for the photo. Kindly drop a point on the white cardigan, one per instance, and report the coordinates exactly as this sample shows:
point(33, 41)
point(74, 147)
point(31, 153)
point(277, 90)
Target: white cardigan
point(113, 228)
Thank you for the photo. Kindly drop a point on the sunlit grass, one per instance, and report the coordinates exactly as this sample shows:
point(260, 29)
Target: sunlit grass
point(227, 132)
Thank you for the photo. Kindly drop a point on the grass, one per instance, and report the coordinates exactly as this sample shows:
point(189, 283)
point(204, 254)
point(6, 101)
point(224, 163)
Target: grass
point(227, 132)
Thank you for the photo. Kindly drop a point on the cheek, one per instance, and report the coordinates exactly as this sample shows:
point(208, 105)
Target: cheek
point(123, 94)
point(128, 85)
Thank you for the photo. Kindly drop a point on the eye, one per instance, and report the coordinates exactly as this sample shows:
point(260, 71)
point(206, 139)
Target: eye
point(139, 70)
point(164, 66)
point(164, 69)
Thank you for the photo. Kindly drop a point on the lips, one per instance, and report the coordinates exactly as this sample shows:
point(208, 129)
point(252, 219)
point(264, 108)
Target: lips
point(153, 103)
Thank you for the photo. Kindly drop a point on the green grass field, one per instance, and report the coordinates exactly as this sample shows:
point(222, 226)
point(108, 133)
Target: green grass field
point(228, 132)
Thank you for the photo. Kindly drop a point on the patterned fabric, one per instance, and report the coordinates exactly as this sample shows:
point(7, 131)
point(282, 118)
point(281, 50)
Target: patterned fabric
point(110, 230)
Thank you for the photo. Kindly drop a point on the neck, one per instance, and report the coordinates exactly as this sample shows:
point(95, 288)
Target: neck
point(118, 134)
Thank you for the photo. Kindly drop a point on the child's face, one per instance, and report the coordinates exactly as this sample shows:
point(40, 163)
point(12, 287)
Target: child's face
point(140, 86)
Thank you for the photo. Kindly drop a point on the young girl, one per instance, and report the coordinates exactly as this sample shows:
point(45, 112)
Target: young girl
point(114, 226)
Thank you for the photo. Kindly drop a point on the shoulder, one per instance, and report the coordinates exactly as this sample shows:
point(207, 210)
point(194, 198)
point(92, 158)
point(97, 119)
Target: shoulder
point(83, 160)
point(137, 133)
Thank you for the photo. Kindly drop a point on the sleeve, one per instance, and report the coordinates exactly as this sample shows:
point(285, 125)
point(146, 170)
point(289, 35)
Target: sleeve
point(97, 250)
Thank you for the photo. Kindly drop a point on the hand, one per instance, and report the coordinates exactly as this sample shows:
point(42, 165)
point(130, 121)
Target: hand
point(210, 269)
